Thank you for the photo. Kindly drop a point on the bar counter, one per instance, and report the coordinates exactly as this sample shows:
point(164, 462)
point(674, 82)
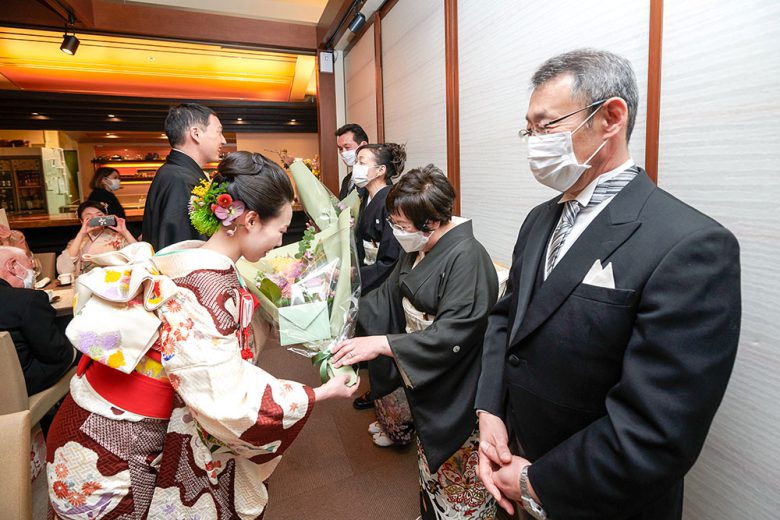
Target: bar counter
point(62, 219)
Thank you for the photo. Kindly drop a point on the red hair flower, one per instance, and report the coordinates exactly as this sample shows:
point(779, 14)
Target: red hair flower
point(225, 200)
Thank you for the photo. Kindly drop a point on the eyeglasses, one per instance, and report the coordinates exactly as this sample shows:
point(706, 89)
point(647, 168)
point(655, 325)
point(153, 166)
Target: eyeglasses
point(545, 128)
point(393, 225)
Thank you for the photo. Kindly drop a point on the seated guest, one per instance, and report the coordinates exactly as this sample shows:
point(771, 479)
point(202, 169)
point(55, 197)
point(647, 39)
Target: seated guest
point(424, 330)
point(44, 352)
point(104, 183)
point(92, 239)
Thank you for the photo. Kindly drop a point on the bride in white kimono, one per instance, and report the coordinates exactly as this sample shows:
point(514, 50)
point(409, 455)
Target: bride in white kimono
point(168, 416)
point(423, 329)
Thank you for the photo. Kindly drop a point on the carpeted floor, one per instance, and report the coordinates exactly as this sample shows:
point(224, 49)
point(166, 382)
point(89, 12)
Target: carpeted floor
point(333, 470)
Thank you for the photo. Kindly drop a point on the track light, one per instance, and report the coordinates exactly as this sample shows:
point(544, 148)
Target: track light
point(69, 41)
point(357, 22)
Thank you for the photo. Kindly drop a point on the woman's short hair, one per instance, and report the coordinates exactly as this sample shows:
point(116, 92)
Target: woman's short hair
point(100, 175)
point(423, 195)
point(258, 182)
point(390, 155)
point(100, 206)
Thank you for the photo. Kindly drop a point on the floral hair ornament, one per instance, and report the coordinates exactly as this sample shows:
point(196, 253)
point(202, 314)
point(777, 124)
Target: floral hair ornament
point(211, 207)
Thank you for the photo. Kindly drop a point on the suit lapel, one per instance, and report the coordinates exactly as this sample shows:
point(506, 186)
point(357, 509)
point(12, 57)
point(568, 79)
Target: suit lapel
point(532, 254)
point(604, 235)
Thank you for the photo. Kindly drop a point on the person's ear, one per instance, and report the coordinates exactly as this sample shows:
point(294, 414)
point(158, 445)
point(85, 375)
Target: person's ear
point(614, 116)
point(195, 133)
point(252, 219)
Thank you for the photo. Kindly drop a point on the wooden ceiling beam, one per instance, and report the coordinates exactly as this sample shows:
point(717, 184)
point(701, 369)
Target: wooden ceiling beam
point(328, 30)
point(168, 23)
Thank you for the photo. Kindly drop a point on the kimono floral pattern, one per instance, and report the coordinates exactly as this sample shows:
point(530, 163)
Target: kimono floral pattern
point(455, 491)
point(212, 457)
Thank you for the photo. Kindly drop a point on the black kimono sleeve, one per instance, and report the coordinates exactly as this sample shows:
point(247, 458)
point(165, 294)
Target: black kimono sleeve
point(380, 312)
point(467, 290)
point(371, 276)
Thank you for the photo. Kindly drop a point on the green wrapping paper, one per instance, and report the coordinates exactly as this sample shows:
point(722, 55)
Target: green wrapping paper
point(316, 326)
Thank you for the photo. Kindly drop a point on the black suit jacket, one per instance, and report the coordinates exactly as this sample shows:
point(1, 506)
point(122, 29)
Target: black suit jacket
point(166, 215)
point(44, 352)
point(611, 392)
point(346, 186)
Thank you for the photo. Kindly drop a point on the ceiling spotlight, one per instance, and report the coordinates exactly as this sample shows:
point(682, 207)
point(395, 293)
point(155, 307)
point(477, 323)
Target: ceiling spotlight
point(239, 119)
point(35, 114)
point(357, 22)
point(69, 44)
point(111, 115)
point(293, 120)
point(69, 41)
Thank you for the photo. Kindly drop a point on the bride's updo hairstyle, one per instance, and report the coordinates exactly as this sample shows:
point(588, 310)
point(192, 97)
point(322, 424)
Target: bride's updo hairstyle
point(255, 180)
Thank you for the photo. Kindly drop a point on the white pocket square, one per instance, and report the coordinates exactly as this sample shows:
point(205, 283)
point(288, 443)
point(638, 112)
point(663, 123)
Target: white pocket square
point(600, 277)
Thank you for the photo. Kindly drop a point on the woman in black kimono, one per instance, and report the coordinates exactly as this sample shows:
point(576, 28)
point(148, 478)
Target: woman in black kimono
point(424, 329)
point(377, 249)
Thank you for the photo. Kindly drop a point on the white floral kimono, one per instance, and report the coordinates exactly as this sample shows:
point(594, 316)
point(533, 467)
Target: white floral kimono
point(207, 450)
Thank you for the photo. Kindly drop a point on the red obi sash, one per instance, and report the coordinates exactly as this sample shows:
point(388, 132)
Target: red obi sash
point(133, 392)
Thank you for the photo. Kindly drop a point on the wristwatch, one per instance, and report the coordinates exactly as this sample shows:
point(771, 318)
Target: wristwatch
point(529, 504)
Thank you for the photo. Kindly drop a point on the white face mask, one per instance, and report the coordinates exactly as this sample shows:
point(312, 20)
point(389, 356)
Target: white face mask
point(349, 157)
point(411, 241)
point(28, 279)
point(360, 175)
point(552, 160)
point(113, 184)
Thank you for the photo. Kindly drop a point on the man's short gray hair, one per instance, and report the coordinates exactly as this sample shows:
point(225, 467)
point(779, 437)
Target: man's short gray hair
point(597, 75)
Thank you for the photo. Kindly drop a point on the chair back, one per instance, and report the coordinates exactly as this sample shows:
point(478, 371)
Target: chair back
point(12, 385)
point(16, 491)
point(47, 265)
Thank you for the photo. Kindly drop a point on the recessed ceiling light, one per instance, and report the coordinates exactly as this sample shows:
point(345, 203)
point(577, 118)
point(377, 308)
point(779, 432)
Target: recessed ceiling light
point(111, 115)
point(239, 119)
point(36, 114)
point(293, 120)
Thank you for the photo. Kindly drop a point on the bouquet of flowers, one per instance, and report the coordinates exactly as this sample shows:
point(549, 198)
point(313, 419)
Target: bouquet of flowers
point(309, 290)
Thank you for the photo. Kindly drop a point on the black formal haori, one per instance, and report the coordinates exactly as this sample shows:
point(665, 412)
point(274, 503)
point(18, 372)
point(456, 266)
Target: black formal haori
point(611, 392)
point(166, 215)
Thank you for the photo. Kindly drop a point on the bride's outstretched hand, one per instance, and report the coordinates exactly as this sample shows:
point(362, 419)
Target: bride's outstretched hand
point(336, 388)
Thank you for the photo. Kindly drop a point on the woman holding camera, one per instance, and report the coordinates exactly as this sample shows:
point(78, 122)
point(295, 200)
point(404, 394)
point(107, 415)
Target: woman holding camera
point(95, 236)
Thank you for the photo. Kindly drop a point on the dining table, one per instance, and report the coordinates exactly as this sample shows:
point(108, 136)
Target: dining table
point(62, 298)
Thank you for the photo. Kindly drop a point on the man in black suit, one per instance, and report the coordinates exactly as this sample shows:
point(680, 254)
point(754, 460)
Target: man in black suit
point(195, 134)
point(349, 138)
point(44, 352)
point(611, 350)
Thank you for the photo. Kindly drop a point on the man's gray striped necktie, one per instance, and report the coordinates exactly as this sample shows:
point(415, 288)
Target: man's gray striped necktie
point(602, 192)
